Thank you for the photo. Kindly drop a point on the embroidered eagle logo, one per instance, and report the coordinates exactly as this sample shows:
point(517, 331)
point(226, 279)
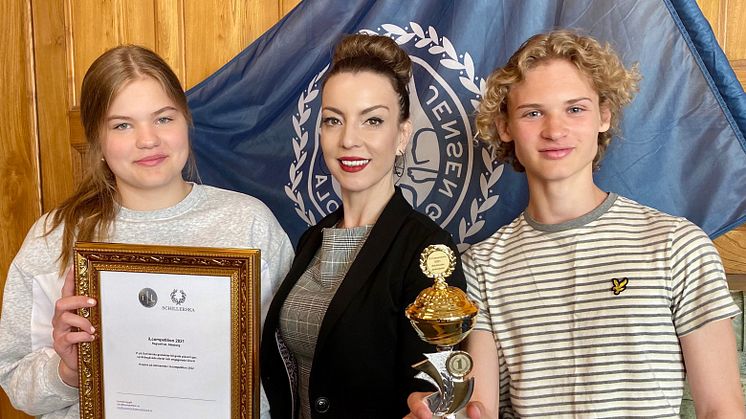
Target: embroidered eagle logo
point(619, 285)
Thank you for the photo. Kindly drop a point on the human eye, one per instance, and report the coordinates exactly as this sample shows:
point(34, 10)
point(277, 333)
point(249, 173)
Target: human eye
point(330, 121)
point(122, 126)
point(532, 114)
point(163, 120)
point(374, 121)
point(575, 109)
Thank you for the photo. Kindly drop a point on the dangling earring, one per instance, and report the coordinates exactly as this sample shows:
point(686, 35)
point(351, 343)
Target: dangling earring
point(399, 165)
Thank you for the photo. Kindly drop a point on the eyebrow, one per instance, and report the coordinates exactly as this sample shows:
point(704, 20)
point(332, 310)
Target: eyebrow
point(567, 102)
point(366, 110)
point(158, 112)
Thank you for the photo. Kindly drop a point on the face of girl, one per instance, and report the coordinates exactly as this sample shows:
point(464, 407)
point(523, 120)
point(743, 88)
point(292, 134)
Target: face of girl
point(146, 144)
point(361, 133)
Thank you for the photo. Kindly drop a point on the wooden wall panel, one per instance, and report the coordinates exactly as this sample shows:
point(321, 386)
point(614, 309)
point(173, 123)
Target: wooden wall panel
point(19, 188)
point(733, 40)
point(52, 80)
point(20, 197)
point(91, 29)
point(287, 5)
point(169, 34)
point(217, 31)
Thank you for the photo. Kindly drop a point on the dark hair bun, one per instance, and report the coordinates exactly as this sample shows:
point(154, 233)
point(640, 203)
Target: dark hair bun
point(380, 47)
point(380, 55)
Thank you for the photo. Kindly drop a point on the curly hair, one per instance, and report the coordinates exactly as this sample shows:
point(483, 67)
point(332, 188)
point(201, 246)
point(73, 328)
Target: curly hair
point(615, 85)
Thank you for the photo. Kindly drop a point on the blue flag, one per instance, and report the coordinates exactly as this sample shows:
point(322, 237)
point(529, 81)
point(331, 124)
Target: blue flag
point(682, 148)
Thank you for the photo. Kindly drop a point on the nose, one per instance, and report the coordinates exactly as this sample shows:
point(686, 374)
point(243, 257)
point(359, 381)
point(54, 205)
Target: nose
point(350, 137)
point(554, 127)
point(147, 137)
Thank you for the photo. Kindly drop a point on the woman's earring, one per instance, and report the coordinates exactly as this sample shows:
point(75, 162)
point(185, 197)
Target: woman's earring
point(399, 165)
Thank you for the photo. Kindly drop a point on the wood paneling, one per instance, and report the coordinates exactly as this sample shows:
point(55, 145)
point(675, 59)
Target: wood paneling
point(735, 34)
point(19, 189)
point(287, 5)
point(20, 204)
point(732, 248)
point(224, 29)
point(52, 80)
point(169, 34)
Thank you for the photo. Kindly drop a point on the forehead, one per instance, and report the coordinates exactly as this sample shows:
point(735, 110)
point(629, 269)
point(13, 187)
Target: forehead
point(550, 80)
point(362, 88)
point(143, 92)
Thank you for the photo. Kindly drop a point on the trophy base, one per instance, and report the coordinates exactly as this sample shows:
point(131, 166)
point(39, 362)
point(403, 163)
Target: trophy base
point(446, 371)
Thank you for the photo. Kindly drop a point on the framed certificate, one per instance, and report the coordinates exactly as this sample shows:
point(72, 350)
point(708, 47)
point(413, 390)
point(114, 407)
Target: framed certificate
point(177, 331)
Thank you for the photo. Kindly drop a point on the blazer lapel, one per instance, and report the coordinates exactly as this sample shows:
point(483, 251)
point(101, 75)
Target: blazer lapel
point(370, 255)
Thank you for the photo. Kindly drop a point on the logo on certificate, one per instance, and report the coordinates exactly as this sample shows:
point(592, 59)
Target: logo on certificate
point(148, 298)
point(178, 297)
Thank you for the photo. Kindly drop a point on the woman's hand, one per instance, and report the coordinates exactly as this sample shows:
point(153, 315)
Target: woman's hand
point(69, 329)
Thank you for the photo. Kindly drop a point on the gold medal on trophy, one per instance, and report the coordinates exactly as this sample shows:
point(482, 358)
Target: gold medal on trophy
point(442, 316)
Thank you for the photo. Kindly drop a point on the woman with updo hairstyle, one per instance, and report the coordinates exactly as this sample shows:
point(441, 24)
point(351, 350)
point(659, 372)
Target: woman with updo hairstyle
point(136, 120)
point(336, 343)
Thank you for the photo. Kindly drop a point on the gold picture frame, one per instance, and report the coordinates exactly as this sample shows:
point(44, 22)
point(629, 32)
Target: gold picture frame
point(235, 269)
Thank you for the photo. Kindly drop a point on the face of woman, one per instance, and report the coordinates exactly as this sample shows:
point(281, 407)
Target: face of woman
point(146, 145)
point(361, 134)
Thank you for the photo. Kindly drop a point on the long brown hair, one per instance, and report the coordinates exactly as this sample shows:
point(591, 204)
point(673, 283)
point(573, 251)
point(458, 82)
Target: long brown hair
point(88, 214)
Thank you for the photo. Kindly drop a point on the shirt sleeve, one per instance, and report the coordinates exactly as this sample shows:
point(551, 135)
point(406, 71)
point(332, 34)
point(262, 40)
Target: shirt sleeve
point(277, 257)
point(475, 286)
point(29, 377)
point(700, 292)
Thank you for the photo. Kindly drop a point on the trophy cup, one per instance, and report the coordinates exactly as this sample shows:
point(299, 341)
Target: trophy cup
point(443, 316)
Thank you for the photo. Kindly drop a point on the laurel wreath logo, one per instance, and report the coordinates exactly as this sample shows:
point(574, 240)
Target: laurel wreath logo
point(299, 148)
point(436, 45)
point(180, 299)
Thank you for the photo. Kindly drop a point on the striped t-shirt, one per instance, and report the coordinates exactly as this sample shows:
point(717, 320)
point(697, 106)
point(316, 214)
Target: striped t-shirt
point(587, 314)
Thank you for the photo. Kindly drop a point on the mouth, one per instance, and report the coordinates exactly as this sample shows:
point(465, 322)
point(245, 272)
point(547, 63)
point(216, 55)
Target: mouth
point(353, 164)
point(153, 160)
point(555, 153)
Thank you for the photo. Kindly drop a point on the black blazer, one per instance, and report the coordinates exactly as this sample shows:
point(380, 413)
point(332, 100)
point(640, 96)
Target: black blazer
point(362, 365)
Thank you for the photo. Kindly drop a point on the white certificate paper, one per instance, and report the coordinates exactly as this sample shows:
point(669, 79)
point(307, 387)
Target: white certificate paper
point(166, 343)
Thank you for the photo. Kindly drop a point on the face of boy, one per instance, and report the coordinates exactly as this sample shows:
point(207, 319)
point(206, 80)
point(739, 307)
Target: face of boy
point(554, 119)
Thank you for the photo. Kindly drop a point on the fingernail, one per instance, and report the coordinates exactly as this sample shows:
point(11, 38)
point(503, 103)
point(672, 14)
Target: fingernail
point(91, 301)
point(93, 330)
point(93, 337)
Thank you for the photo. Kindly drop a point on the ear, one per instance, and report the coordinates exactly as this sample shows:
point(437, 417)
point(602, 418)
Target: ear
point(605, 119)
point(503, 131)
point(405, 134)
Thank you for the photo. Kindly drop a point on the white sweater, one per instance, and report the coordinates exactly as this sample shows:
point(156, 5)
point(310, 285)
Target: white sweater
point(207, 217)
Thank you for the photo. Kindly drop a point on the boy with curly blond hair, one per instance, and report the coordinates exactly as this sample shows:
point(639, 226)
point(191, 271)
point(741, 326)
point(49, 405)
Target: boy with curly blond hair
point(591, 304)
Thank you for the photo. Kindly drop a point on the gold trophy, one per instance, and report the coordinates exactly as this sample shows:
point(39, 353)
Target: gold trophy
point(443, 316)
